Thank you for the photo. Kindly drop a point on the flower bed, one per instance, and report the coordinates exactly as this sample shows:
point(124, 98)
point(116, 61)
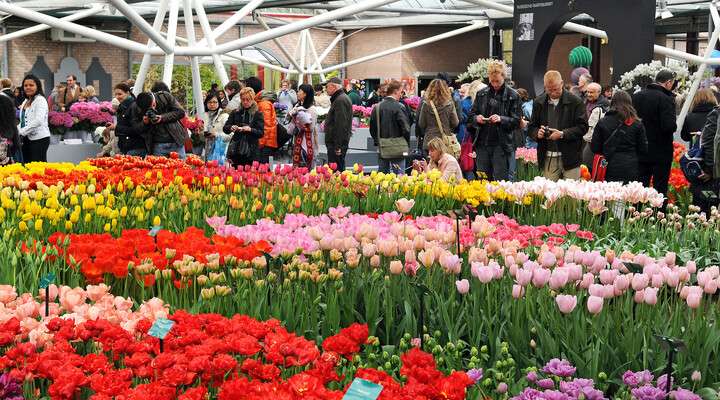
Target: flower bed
point(82, 116)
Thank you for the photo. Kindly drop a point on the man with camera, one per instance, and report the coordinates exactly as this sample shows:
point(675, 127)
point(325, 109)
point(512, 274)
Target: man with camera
point(495, 115)
point(558, 123)
point(159, 120)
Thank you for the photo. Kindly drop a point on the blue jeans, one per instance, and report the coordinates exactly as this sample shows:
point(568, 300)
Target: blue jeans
point(164, 149)
point(396, 166)
point(530, 143)
point(137, 152)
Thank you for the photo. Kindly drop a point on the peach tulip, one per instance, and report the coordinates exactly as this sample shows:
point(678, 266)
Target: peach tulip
point(518, 291)
point(404, 205)
point(396, 267)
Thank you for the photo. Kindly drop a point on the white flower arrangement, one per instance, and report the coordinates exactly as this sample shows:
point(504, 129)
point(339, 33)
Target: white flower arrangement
point(644, 74)
point(476, 70)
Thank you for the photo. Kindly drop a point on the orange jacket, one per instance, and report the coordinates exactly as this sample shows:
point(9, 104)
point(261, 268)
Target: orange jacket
point(269, 139)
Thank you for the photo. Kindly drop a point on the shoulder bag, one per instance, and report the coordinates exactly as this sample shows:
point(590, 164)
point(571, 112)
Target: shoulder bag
point(450, 141)
point(391, 148)
point(600, 162)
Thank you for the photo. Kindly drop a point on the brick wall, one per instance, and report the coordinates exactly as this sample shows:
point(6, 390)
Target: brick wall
point(23, 52)
point(449, 55)
point(371, 41)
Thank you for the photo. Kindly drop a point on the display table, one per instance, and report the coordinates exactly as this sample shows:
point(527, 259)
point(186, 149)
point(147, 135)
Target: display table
point(73, 153)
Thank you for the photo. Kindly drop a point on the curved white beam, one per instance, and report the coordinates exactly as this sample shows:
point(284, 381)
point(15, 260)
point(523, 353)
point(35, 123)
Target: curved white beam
point(94, 10)
point(326, 52)
point(194, 61)
point(282, 48)
point(143, 25)
point(207, 32)
point(72, 27)
point(237, 17)
point(147, 58)
point(299, 25)
point(172, 30)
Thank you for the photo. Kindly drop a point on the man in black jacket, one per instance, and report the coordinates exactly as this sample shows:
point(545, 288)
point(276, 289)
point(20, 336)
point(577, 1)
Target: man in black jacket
point(706, 192)
point(558, 124)
point(655, 106)
point(393, 123)
point(159, 119)
point(495, 115)
point(338, 123)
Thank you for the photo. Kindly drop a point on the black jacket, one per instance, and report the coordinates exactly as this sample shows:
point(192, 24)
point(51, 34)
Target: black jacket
point(656, 108)
point(246, 117)
point(622, 145)
point(169, 130)
point(707, 142)
point(338, 123)
point(695, 120)
point(509, 111)
point(129, 138)
point(571, 121)
point(393, 121)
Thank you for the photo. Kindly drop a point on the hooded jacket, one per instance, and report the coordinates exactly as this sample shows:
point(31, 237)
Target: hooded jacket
point(265, 102)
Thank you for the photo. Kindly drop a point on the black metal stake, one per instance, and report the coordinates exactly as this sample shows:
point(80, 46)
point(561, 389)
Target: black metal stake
point(47, 301)
point(668, 371)
point(162, 345)
point(267, 281)
point(421, 320)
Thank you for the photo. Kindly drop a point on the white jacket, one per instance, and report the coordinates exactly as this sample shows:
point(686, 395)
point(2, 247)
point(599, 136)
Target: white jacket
point(36, 119)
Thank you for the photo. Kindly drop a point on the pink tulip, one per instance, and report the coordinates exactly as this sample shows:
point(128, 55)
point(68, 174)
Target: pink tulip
point(522, 258)
point(510, 261)
point(657, 280)
point(375, 261)
point(651, 296)
point(513, 269)
point(703, 277)
point(547, 259)
point(621, 283)
point(711, 287)
point(518, 291)
point(684, 274)
point(575, 272)
point(427, 258)
point(52, 290)
point(609, 291)
point(607, 276)
point(96, 292)
point(523, 276)
point(670, 258)
point(599, 263)
point(558, 278)
point(566, 303)
point(640, 281)
point(485, 274)
point(71, 298)
point(693, 300)
point(410, 256)
point(463, 286)
point(396, 267)
point(596, 290)
point(595, 304)
point(541, 277)
point(673, 279)
point(639, 296)
point(587, 280)
point(691, 266)
point(450, 262)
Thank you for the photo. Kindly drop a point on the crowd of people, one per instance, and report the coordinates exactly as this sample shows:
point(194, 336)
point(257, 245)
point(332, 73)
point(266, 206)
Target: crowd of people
point(470, 131)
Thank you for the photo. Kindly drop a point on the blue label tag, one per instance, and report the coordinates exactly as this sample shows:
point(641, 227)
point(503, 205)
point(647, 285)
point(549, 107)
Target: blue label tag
point(155, 230)
point(47, 280)
point(363, 390)
point(160, 328)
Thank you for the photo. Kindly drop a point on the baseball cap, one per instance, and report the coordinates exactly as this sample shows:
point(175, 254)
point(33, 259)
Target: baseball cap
point(334, 80)
point(664, 76)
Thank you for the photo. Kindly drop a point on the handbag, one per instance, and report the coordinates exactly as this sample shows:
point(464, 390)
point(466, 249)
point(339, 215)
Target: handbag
point(600, 163)
point(467, 163)
point(239, 148)
point(691, 161)
point(391, 148)
point(450, 141)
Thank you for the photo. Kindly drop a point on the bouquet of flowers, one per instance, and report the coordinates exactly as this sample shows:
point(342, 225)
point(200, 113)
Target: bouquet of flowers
point(196, 126)
point(413, 102)
point(476, 70)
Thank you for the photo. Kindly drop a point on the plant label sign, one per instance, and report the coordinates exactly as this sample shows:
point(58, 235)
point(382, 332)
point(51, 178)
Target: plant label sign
point(46, 280)
point(363, 390)
point(154, 231)
point(160, 328)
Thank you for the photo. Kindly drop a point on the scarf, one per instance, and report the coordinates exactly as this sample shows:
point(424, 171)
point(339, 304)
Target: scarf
point(304, 132)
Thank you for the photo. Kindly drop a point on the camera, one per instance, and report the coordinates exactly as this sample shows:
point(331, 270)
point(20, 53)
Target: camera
point(151, 114)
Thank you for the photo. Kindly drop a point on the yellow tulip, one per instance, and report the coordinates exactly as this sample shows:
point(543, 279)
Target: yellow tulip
point(23, 226)
point(106, 227)
point(156, 221)
point(38, 225)
point(123, 212)
point(88, 218)
point(68, 226)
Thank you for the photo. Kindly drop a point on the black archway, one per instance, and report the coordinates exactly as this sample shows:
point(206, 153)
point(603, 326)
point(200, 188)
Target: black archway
point(629, 26)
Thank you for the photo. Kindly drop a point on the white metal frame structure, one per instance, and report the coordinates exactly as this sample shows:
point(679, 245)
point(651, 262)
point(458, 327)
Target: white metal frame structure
point(306, 60)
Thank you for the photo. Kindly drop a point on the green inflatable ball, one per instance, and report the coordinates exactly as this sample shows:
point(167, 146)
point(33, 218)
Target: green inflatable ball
point(580, 56)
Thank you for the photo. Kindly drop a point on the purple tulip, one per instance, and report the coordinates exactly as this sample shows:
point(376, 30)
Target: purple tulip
point(532, 376)
point(9, 388)
point(648, 392)
point(635, 379)
point(683, 394)
point(546, 383)
point(475, 374)
point(528, 394)
point(554, 395)
point(561, 368)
